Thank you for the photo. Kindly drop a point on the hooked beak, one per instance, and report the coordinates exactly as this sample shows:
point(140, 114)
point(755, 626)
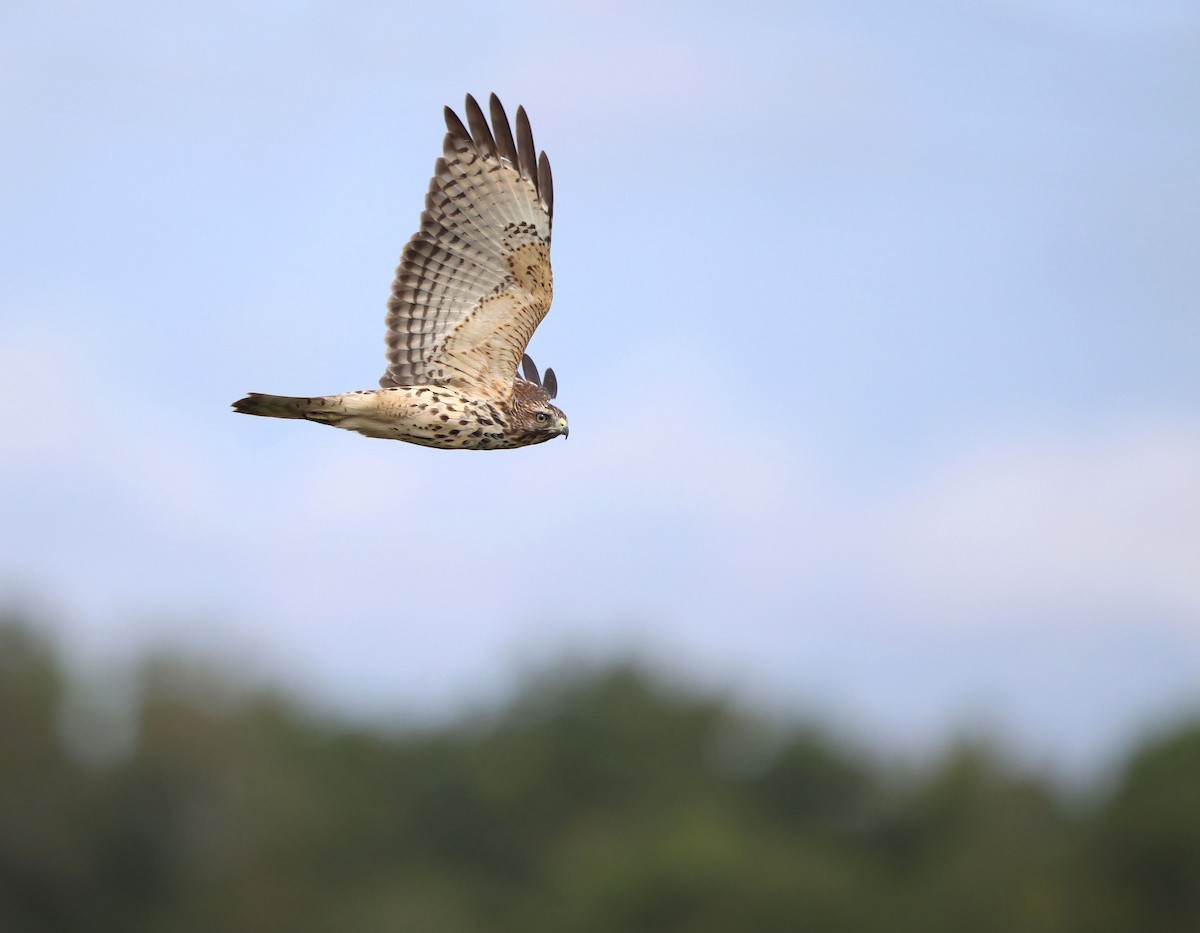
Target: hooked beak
point(563, 429)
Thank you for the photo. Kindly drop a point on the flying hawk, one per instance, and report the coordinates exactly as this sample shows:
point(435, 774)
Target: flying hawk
point(472, 286)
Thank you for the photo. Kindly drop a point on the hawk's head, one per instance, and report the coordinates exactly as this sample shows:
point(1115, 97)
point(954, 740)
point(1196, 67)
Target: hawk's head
point(533, 418)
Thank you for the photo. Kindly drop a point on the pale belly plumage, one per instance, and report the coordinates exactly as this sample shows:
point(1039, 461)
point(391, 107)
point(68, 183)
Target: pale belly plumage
point(432, 416)
point(429, 415)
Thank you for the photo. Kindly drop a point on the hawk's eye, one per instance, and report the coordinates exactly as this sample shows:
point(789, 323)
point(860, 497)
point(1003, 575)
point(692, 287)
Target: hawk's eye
point(541, 416)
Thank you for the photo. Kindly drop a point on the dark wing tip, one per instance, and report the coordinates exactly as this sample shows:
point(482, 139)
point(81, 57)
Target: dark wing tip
point(545, 183)
point(502, 132)
point(527, 154)
point(480, 132)
point(529, 370)
point(454, 126)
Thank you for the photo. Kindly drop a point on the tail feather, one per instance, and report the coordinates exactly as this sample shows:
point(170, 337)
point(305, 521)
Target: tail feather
point(274, 406)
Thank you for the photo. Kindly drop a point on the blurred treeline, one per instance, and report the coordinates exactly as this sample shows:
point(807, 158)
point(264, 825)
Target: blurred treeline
point(607, 802)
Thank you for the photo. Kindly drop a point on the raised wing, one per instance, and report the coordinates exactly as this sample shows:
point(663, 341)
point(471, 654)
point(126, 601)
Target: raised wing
point(474, 283)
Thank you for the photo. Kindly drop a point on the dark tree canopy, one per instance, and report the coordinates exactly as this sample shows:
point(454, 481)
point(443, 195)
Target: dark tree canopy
point(592, 803)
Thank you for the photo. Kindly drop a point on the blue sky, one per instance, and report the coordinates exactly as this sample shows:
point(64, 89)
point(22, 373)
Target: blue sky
point(877, 325)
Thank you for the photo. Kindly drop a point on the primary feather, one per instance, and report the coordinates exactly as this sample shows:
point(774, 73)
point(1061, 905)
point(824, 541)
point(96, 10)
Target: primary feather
point(474, 282)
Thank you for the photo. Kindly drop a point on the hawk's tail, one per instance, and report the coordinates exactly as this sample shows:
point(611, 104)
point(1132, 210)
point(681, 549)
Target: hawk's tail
point(275, 406)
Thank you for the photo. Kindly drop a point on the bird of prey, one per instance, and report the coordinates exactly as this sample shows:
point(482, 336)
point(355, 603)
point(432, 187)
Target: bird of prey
point(472, 286)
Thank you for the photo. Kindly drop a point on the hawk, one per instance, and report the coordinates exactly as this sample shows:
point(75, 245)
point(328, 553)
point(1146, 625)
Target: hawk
point(472, 286)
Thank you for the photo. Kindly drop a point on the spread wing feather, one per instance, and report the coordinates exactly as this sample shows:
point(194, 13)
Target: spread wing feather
point(474, 282)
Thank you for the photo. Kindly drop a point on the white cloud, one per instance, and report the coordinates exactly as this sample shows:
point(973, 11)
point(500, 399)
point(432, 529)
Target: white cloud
point(1069, 525)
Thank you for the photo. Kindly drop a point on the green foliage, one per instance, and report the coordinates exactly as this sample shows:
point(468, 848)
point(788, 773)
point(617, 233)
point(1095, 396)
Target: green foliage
point(593, 803)
point(1148, 838)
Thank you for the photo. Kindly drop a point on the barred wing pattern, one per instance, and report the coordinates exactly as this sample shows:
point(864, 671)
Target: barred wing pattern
point(474, 283)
